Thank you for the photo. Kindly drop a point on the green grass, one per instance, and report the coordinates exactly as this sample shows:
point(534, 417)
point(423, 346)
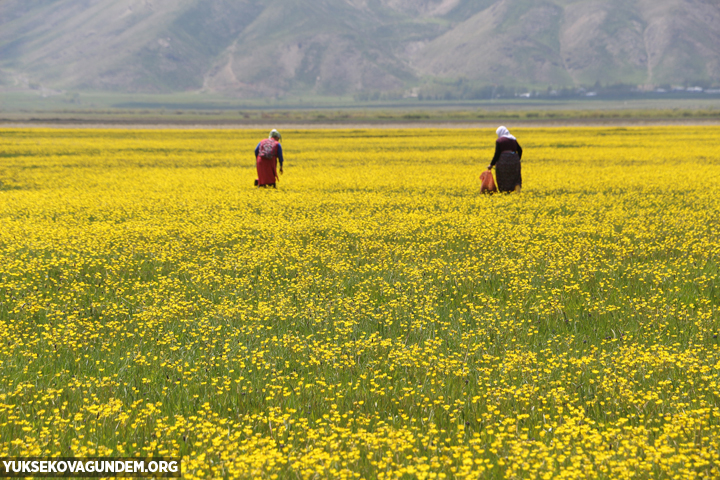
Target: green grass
point(374, 310)
point(209, 109)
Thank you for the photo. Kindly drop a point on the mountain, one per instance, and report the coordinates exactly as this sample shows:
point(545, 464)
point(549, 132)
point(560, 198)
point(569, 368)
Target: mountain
point(582, 42)
point(332, 47)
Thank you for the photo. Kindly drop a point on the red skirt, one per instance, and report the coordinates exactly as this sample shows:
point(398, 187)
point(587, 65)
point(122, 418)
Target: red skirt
point(266, 171)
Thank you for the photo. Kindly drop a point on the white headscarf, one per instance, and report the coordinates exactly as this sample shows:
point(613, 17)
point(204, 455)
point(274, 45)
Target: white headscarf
point(504, 132)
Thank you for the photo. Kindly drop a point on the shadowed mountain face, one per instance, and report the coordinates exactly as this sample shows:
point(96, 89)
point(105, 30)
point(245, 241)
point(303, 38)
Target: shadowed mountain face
point(332, 47)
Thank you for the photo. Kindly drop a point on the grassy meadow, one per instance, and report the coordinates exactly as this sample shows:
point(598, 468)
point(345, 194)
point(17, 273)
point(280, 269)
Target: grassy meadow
point(375, 316)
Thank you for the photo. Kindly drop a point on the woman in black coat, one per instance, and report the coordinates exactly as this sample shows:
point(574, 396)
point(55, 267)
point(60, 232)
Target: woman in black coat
point(506, 161)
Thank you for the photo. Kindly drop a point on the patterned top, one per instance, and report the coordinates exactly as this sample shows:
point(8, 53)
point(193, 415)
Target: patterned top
point(279, 153)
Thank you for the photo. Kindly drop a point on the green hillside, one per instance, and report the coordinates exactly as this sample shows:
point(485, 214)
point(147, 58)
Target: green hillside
point(252, 48)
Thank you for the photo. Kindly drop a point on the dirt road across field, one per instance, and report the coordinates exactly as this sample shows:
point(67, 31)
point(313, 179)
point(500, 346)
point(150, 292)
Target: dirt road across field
point(363, 126)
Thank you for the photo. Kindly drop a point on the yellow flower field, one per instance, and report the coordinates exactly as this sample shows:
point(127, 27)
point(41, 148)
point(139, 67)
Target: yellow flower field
point(373, 317)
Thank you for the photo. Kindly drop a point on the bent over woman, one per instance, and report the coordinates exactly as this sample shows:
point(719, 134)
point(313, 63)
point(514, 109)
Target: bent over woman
point(267, 154)
point(506, 161)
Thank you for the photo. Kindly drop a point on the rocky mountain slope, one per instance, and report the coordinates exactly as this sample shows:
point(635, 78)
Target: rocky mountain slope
point(332, 47)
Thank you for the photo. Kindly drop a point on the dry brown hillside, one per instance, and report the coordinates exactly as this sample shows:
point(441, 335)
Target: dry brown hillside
point(279, 47)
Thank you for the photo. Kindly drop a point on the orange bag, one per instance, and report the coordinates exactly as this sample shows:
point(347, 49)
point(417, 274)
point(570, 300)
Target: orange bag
point(487, 182)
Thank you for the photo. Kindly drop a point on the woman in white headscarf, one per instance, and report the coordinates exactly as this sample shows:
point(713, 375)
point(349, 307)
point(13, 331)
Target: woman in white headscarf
point(506, 161)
